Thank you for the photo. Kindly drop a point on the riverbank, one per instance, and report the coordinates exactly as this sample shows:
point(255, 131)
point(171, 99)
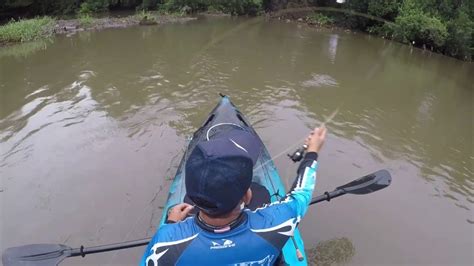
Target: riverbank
point(71, 26)
point(451, 38)
point(415, 24)
point(44, 28)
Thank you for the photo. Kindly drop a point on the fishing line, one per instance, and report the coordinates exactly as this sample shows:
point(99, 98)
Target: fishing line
point(329, 9)
point(214, 41)
point(298, 142)
point(277, 14)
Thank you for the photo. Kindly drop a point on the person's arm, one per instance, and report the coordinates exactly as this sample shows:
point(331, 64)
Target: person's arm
point(281, 218)
point(303, 186)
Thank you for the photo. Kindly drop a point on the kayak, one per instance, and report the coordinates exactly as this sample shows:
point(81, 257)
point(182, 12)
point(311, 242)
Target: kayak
point(225, 116)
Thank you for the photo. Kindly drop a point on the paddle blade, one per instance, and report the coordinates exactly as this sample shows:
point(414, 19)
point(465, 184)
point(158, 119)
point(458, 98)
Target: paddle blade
point(369, 183)
point(36, 254)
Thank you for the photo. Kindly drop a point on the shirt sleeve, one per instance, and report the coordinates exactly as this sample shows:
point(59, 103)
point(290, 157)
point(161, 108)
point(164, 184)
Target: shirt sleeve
point(278, 221)
point(303, 187)
point(168, 244)
point(150, 251)
point(296, 201)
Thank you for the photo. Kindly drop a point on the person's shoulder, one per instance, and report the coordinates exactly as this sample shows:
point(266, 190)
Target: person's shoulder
point(176, 231)
point(169, 243)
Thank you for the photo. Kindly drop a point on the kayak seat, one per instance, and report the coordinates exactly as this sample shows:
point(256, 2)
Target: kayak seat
point(260, 196)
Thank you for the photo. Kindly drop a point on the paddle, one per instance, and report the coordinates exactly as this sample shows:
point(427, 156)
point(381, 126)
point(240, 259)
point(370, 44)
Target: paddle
point(364, 185)
point(53, 254)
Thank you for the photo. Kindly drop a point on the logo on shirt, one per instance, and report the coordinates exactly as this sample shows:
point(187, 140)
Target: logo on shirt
point(265, 261)
point(225, 243)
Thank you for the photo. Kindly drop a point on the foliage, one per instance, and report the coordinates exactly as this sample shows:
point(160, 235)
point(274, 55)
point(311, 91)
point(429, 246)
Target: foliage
point(384, 30)
point(441, 25)
point(146, 18)
point(58, 7)
point(234, 7)
point(178, 5)
point(460, 42)
point(93, 6)
point(143, 14)
point(386, 9)
point(86, 20)
point(241, 7)
point(320, 19)
point(414, 25)
point(147, 5)
point(26, 30)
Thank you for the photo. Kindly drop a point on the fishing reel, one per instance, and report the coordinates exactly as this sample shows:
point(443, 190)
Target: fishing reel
point(298, 154)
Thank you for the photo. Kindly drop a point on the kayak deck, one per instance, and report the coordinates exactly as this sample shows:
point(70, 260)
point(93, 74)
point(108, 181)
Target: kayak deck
point(226, 116)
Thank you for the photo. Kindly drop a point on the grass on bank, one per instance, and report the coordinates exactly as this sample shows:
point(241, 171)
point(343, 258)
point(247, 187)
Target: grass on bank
point(86, 20)
point(27, 30)
point(320, 19)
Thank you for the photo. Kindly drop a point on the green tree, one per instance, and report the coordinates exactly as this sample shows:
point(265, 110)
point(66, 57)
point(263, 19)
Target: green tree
point(460, 41)
point(417, 26)
point(387, 9)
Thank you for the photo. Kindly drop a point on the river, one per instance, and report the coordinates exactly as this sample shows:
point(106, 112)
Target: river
point(92, 127)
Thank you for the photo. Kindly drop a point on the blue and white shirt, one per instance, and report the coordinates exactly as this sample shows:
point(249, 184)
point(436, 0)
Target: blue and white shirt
point(257, 238)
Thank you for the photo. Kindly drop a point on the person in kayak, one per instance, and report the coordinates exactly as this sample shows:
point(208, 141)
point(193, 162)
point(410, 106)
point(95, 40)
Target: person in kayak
point(218, 175)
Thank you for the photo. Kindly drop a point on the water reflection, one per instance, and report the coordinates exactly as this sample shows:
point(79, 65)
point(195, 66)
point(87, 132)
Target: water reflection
point(332, 49)
point(24, 49)
point(336, 251)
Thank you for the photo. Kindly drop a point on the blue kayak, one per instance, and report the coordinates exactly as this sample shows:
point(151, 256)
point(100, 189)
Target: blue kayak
point(225, 116)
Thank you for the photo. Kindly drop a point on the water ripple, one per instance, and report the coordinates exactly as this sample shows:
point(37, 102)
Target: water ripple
point(67, 107)
point(320, 80)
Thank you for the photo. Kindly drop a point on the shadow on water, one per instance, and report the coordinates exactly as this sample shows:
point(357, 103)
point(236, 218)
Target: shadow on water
point(337, 251)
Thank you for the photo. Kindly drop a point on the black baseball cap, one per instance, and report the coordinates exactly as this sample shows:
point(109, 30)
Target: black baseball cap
point(218, 172)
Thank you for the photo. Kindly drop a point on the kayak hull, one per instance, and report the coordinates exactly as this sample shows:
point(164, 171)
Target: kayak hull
point(226, 115)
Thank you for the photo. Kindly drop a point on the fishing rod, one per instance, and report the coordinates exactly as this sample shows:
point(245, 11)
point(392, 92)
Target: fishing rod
point(53, 254)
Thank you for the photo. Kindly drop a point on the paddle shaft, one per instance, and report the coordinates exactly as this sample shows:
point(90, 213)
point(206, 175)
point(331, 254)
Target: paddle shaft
point(327, 196)
point(82, 251)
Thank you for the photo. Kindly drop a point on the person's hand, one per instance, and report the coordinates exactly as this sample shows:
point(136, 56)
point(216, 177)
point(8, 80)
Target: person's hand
point(178, 212)
point(315, 140)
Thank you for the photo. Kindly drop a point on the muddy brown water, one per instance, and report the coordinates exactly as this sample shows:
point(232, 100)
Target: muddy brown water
point(92, 128)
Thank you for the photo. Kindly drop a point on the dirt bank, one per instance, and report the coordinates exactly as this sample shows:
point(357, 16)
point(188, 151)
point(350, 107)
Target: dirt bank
point(72, 26)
